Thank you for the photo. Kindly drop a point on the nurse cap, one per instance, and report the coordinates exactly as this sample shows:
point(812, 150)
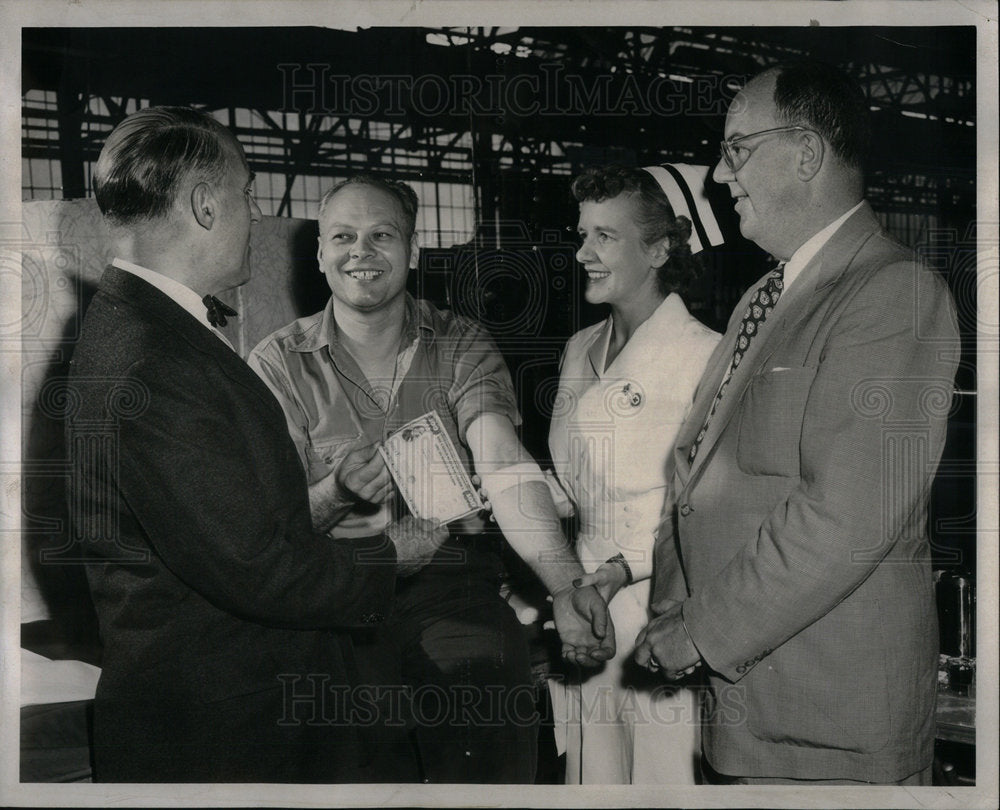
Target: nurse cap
point(684, 186)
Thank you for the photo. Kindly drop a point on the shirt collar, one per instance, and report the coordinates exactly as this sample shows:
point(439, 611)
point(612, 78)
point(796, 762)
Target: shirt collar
point(417, 317)
point(801, 257)
point(670, 313)
point(180, 294)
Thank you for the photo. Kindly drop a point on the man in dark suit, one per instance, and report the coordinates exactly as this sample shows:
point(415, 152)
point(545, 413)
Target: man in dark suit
point(803, 472)
point(218, 595)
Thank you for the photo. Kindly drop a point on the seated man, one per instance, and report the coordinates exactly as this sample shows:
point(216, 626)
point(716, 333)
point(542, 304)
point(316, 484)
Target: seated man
point(347, 377)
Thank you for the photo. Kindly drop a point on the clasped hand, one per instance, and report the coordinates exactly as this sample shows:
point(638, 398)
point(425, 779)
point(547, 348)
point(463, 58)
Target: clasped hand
point(664, 644)
point(582, 619)
point(584, 626)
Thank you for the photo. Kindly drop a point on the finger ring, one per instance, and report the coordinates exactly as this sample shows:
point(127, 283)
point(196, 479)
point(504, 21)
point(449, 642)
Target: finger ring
point(653, 665)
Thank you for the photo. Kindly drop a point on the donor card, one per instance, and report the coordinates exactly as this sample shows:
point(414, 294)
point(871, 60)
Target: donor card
point(428, 472)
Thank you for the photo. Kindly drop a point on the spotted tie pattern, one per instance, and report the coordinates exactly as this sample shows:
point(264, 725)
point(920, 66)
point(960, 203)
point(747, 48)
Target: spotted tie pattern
point(761, 305)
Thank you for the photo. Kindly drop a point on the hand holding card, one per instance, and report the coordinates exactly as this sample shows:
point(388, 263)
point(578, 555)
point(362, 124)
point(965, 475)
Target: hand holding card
point(428, 471)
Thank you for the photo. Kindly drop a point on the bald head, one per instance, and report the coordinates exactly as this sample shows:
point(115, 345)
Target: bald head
point(793, 156)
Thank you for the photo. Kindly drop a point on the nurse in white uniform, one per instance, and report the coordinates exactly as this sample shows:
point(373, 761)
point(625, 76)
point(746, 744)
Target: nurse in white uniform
point(626, 385)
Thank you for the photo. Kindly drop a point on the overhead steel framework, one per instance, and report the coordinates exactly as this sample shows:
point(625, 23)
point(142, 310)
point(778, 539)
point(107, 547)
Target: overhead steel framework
point(466, 105)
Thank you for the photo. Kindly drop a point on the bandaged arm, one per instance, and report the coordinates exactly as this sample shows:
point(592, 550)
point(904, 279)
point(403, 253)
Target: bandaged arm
point(522, 502)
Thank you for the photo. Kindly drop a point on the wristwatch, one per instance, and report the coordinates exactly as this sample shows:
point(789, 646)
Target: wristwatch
point(619, 559)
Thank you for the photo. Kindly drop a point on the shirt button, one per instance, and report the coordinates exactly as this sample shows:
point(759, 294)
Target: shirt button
point(626, 508)
point(685, 510)
point(741, 669)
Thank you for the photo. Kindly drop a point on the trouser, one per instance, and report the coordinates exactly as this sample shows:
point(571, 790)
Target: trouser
point(240, 739)
point(462, 656)
point(921, 778)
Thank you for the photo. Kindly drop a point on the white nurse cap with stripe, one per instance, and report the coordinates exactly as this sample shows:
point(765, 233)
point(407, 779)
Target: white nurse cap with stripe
point(684, 186)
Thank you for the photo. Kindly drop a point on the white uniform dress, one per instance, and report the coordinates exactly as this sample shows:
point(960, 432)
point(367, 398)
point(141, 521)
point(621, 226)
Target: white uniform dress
point(611, 435)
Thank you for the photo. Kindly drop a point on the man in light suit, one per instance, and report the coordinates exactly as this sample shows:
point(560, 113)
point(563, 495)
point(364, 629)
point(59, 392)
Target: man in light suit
point(802, 474)
point(219, 598)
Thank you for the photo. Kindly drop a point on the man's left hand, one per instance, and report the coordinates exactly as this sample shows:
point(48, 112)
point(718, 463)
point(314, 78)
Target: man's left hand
point(664, 644)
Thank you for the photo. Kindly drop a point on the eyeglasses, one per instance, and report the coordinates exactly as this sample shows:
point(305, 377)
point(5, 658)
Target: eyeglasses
point(736, 156)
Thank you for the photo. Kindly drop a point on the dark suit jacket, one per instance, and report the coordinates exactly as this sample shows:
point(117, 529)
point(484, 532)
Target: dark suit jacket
point(217, 602)
point(802, 523)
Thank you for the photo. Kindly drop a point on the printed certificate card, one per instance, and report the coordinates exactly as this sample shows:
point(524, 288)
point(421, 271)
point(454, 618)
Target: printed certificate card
point(426, 468)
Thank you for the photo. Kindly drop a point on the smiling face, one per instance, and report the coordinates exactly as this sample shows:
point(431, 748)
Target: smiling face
point(365, 251)
point(619, 265)
point(764, 188)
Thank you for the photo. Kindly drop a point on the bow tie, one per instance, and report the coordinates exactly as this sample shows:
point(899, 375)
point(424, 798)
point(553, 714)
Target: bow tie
point(217, 310)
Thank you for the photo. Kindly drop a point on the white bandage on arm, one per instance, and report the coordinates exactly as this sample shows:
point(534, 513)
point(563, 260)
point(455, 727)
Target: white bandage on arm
point(513, 475)
point(522, 501)
point(523, 508)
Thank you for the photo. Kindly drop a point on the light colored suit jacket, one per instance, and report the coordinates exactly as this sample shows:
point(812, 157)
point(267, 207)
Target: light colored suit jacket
point(800, 529)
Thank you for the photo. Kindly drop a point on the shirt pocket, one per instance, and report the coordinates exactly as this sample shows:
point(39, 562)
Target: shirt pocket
point(325, 456)
point(770, 430)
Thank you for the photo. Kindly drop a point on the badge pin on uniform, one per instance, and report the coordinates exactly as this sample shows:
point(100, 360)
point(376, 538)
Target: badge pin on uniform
point(634, 398)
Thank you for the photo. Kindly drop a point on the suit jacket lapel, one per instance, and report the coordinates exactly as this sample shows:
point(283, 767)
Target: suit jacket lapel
point(738, 380)
point(157, 304)
point(825, 268)
point(715, 369)
point(173, 317)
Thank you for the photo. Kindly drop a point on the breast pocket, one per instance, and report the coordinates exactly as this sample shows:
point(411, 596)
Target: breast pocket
point(325, 456)
point(771, 421)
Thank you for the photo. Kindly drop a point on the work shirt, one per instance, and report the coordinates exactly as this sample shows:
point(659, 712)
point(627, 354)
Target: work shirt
point(445, 363)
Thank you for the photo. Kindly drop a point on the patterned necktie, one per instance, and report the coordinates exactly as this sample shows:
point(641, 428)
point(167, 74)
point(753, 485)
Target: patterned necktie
point(217, 310)
point(761, 305)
